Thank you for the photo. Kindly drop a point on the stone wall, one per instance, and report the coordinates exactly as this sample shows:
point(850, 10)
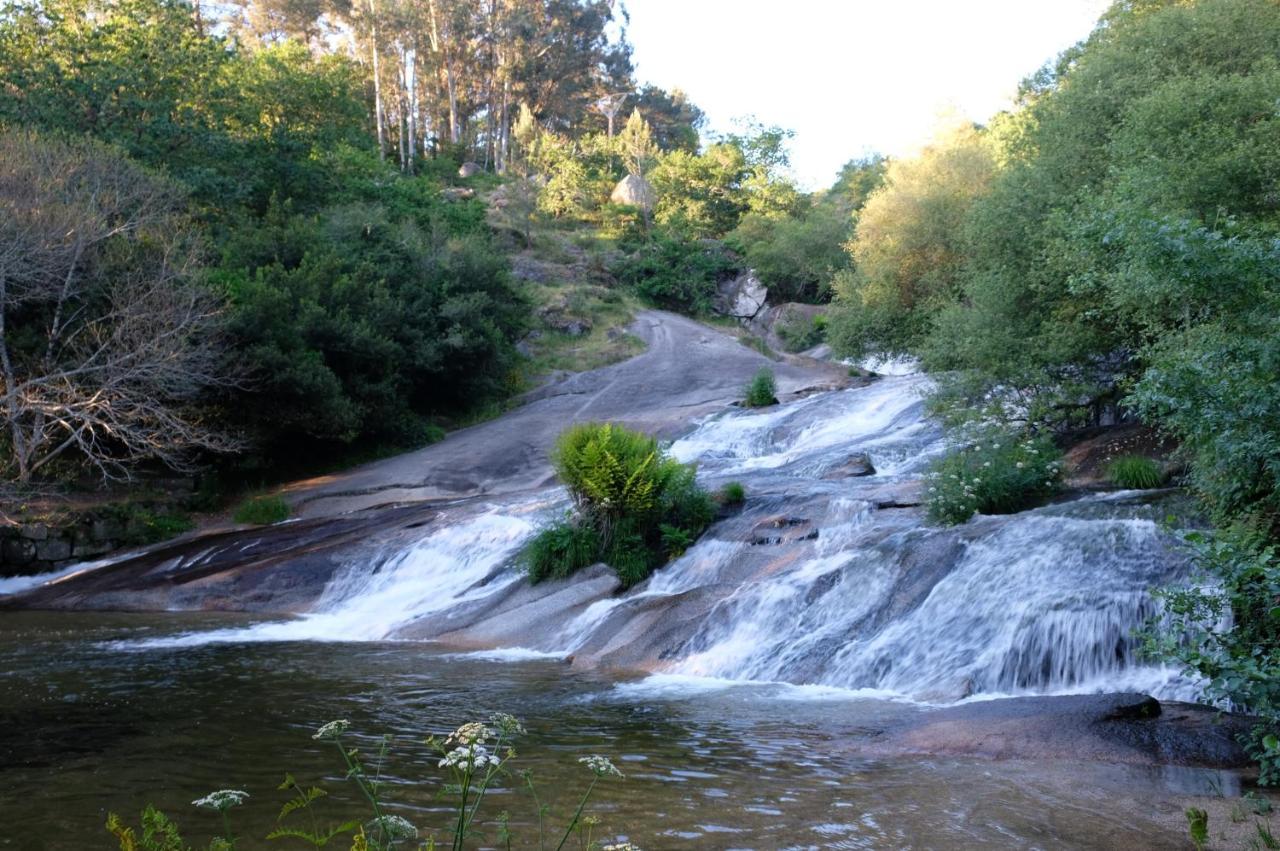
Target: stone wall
point(52, 536)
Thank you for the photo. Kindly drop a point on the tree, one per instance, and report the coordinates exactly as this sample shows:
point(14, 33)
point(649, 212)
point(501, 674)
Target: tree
point(908, 249)
point(638, 150)
point(107, 336)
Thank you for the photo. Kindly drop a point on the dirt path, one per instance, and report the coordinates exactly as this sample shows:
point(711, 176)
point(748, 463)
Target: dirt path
point(687, 371)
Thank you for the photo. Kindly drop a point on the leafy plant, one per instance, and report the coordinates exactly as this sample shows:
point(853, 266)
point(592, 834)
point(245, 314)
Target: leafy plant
point(1225, 630)
point(1135, 472)
point(561, 550)
point(635, 507)
point(733, 493)
point(1198, 827)
point(262, 510)
point(800, 333)
point(675, 273)
point(999, 473)
point(761, 390)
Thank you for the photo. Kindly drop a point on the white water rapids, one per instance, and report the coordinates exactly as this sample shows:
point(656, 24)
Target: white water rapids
point(853, 592)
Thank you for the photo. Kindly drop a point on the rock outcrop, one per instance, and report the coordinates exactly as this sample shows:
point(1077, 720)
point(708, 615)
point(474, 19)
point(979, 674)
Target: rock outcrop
point(742, 297)
point(469, 169)
point(634, 191)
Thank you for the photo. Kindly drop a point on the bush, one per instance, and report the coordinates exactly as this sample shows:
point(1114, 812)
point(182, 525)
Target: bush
point(999, 474)
point(676, 274)
point(733, 493)
point(560, 550)
point(761, 390)
point(262, 510)
point(635, 507)
point(799, 333)
point(1224, 629)
point(1135, 471)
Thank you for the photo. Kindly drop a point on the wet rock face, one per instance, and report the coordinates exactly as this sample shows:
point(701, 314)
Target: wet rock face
point(858, 464)
point(782, 529)
point(1125, 728)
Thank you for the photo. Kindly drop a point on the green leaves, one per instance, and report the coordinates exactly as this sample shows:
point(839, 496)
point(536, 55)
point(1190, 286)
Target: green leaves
point(1198, 827)
point(636, 507)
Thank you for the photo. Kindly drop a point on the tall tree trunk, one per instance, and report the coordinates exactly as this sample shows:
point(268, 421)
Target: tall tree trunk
point(378, 116)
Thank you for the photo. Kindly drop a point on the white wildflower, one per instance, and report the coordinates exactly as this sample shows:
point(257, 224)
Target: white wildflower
point(393, 827)
point(621, 846)
point(332, 730)
point(470, 734)
point(600, 765)
point(508, 725)
point(223, 799)
point(1020, 465)
point(467, 757)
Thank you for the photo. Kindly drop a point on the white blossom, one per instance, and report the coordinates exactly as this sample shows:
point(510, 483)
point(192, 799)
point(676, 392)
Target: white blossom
point(394, 827)
point(223, 799)
point(600, 765)
point(332, 730)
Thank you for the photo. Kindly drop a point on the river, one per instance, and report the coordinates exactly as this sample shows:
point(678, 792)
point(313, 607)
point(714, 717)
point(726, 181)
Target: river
point(740, 688)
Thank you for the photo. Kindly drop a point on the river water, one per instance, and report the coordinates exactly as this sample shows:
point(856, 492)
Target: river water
point(92, 724)
point(763, 662)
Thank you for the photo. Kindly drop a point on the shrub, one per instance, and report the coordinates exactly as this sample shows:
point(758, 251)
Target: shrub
point(1135, 471)
point(761, 389)
point(799, 333)
point(733, 493)
point(560, 550)
point(998, 474)
point(1224, 628)
point(676, 274)
point(635, 507)
point(261, 510)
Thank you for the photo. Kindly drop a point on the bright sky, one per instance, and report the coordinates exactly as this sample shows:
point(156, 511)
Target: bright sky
point(850, 77)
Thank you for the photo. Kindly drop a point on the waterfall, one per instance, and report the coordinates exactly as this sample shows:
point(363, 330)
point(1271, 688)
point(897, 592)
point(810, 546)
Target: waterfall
point(863, 595)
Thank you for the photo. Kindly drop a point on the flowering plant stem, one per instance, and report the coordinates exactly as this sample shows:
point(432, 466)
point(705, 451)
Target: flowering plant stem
point(578, 814)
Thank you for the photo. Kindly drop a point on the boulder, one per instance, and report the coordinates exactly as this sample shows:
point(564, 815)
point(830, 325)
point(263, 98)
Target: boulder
point(469, 169)
point(634, 191)
point(741, 297)
point(857, 464)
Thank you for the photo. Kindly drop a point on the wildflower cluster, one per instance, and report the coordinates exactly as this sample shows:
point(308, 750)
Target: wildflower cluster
point(332, 730)
point(601, 766)
point(997, 474)
point(223, 799)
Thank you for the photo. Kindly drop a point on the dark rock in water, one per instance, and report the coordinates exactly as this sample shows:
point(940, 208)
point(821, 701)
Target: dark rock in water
point(857, 464)
point(1128, 728)
point(782, 529)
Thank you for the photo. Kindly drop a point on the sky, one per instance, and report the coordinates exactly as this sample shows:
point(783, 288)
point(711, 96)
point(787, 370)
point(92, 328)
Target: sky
point(850, 77)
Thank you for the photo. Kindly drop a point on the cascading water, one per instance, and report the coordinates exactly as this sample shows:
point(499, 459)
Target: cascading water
point(853, 591)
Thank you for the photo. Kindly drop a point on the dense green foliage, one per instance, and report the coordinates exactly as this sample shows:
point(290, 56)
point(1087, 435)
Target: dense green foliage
point(1135, 471)
point(675, 273)
point(635, 507)
point(1226, 631)
point(761, 390)
point(999, 473)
